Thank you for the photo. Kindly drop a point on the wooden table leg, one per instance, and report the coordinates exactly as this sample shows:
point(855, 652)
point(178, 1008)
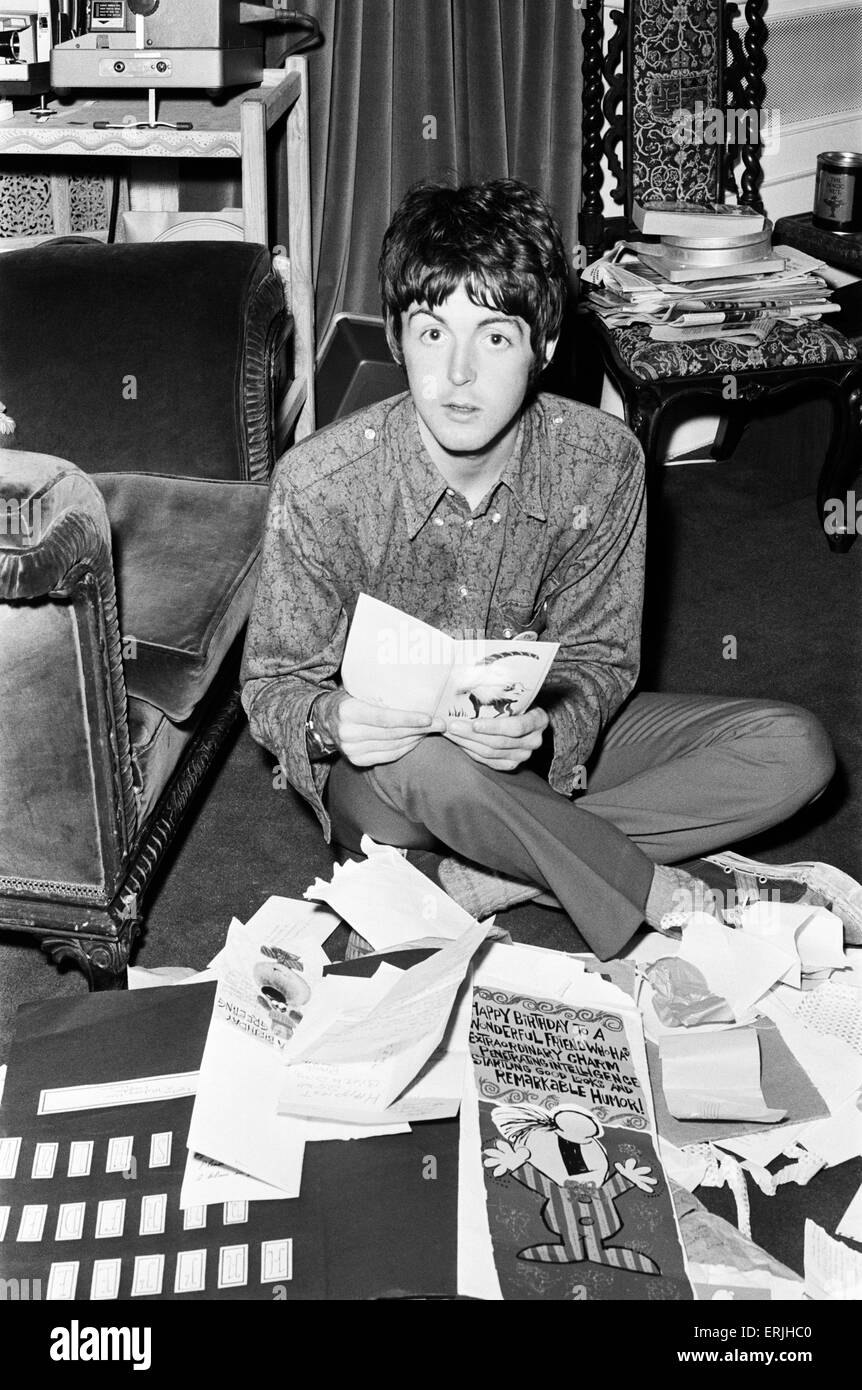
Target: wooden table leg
point(255, 202)
point(835, 498)
point(61, 209)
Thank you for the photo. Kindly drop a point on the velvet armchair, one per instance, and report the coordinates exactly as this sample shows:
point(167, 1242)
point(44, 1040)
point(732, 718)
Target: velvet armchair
point(142, 382)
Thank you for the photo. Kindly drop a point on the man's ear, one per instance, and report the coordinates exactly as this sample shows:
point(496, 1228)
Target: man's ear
point(394, 346)
point(550, 349)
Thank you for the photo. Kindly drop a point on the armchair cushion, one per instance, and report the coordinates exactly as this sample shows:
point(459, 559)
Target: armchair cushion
point(185, 560)
point(788, 345)
point(144, 356)
point(157, 745)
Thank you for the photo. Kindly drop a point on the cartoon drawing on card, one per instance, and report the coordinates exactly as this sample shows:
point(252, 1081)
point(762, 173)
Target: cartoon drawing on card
point(496, 684)
point(281, 990)
point(559, 1155)
point(578, 1204)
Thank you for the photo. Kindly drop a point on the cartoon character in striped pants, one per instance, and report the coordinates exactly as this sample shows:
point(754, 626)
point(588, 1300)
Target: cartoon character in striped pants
point(558, 1154)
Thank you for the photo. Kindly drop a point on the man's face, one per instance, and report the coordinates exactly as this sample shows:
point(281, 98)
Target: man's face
point(468, 368)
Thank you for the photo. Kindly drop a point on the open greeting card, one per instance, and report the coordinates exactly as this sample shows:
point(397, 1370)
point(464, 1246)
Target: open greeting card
point(394, 660)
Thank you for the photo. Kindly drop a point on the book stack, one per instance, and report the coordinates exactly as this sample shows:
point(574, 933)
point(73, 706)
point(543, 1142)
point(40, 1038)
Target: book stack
point(706, 273)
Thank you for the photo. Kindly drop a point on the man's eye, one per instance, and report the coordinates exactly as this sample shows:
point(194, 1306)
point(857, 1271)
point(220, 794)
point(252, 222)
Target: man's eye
point(499, 340)
point(431, 335)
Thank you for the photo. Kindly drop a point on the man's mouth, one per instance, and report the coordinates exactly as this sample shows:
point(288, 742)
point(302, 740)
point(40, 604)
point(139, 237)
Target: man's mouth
point(573, 1158)
point(456, 408)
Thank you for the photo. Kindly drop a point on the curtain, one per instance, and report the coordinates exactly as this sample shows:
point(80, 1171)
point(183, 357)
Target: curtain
point(456, 90)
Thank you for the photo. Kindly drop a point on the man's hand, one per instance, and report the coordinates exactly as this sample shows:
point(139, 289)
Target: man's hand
point(502, 743)
point(368, 735)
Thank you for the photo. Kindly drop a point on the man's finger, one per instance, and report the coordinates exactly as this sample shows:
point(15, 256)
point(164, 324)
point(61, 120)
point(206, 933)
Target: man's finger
point(535, 721)
point(486, 748)
point(352, 731)
point(492, 741)
point(367, 754)
point(375, 716)
point(506, 751)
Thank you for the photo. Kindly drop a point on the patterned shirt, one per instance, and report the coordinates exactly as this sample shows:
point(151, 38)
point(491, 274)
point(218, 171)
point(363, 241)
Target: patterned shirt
point(556, 547)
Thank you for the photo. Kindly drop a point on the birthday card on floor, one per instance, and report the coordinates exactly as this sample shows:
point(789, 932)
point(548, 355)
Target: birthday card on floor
point(394, 660)
point(578, 1204)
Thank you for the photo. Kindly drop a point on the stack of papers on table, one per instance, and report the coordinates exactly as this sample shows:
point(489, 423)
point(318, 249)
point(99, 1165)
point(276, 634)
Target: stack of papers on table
point(623, 288)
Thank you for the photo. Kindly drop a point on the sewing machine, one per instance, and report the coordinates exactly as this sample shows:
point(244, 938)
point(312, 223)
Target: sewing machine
point(165, 44)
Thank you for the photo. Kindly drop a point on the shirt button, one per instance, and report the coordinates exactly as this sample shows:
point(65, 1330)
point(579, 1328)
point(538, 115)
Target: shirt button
point(586, 1221)
point(370, 434)
point(469, 523)
point(450, 492)
point(496, 518)
point(508, 634)
point(558, 419)
point(438, 521)
point(463, 592)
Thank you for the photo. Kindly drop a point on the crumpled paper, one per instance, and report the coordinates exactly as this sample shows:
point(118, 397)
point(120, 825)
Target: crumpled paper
point(682, 998)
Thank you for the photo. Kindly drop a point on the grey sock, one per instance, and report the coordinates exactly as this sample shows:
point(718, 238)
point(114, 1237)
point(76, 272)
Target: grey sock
point(677, 893)
point(481, 892)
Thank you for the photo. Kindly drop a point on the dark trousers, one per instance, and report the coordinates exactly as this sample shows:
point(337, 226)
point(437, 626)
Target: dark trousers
point(674, 776)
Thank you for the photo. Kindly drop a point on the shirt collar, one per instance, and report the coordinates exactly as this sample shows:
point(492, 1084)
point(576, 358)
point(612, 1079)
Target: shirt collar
point(422, 486)
point(523, 473)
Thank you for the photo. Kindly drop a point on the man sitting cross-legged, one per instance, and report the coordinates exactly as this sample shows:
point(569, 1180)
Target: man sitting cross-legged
point(482, 507)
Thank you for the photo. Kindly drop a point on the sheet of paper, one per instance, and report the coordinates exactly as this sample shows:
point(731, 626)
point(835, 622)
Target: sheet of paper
point(850, 1225)
point(389, 902)
point(548, 974)
point(262, 994)
point(157, 978)
point(852, 974)
point(765, 1147)
point(206, 1183)
point(838, 1138)
point(823, 1029)
point(395, 660)
point(783, 1082)
point(280, 922)
point(715, 1077)
point(815, 933)
point(477, 1270)
point(360, 1065)
point(832, 1269)
point(737, 967)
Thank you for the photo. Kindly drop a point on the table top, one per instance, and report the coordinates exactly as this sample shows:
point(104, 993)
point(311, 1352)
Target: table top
point(842, 249)
point(216, 131)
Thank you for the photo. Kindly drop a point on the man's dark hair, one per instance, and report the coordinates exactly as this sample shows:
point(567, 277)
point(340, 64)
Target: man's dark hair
point(499, 239)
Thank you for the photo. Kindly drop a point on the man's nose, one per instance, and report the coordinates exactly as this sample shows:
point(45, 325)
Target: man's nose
point(461, 367)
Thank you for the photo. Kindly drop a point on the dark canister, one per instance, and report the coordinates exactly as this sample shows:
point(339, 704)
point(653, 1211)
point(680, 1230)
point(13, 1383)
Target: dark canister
point(838, 195)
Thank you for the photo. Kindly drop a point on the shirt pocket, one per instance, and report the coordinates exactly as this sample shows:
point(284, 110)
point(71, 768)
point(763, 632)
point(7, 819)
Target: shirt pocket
point(517, 613)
